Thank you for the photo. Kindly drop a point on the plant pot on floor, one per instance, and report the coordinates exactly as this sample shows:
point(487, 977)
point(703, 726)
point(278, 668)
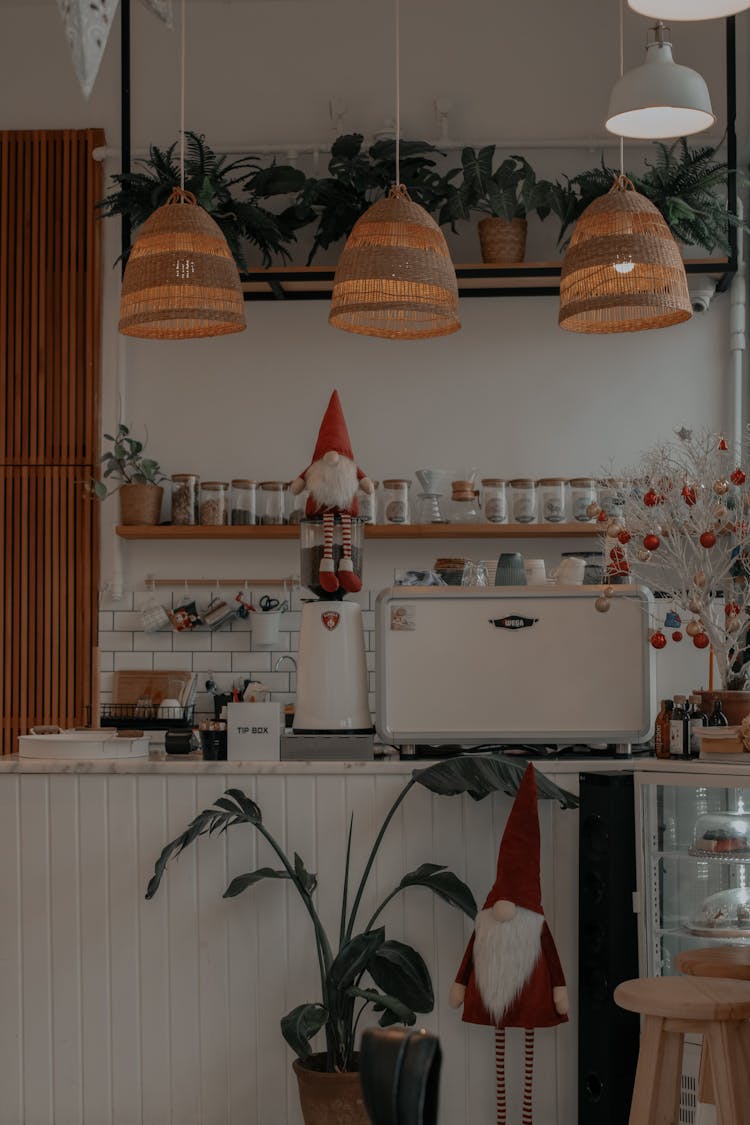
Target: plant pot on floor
point(329, 1099)
point(502, 240)
point(734, 704)
point(140, 503)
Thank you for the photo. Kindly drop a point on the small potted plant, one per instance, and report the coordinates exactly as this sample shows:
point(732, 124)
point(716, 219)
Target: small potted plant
point(136, 478)
point(362, 968)
point(506, 195)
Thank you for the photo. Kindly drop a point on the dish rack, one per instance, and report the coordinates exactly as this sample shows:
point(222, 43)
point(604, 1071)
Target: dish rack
point(125, 715)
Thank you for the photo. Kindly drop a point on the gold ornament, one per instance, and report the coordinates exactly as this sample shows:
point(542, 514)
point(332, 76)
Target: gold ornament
point(593, 510)
point(693, 628)
point(733, 624)
point(613, 529)
point(695, 606)
point(721, 511)
point(721, 487)
point(602, 604)
point(643, 554)
point(699, 579)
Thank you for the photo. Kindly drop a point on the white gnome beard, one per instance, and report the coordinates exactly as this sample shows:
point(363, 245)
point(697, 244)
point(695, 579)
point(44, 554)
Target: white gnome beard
point(505, 954)
point(332, 486)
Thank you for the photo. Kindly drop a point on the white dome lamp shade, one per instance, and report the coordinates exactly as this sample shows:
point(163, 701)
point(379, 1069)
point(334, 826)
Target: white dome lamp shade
point(659, 98)
point(688, 9)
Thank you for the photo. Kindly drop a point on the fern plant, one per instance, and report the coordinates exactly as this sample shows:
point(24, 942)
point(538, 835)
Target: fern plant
point(214, 179)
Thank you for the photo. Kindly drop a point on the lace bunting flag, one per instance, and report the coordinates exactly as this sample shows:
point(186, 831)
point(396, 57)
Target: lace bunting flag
point(87, 27)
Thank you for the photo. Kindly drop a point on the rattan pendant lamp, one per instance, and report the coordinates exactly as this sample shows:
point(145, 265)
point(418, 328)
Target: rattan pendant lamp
point(623, 271)
point(181, 280)
point(395, 277)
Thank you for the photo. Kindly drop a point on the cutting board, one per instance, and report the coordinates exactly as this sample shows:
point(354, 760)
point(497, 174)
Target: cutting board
point(129, 686)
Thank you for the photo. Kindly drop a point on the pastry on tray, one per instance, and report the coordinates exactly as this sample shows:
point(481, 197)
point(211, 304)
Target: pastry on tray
point(720, 840)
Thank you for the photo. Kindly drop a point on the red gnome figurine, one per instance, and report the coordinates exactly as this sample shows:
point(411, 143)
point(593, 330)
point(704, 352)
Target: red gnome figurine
point(511, 974)
point(332, 480)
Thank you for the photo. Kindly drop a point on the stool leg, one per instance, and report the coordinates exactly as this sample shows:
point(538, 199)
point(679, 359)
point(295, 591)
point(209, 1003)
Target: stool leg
point(730, 1082)
point(705, 1081)
point(656, 1094)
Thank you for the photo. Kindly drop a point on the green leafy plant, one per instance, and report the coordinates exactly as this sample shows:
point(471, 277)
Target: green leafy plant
point(358, 176)
point(510, 191)
point(214, 181)
point(125, 464)
point(363, 968)
point(687, 185)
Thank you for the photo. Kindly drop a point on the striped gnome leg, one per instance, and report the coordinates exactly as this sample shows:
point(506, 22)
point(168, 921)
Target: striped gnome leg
point(528, 1076)
point(350, 581)
point(328, 579)
point(500, 1075)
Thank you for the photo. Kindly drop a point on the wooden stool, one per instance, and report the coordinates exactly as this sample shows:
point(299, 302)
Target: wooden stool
point(672, 1007)
point(732, 962)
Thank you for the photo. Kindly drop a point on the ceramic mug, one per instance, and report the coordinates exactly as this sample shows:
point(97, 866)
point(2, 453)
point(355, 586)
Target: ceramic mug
point(536, 574)
point(570, 572)
point(153, 617)
point(510, 570)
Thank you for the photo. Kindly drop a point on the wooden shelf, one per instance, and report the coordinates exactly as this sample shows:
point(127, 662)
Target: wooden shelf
point(474, 280)
point(373, 531)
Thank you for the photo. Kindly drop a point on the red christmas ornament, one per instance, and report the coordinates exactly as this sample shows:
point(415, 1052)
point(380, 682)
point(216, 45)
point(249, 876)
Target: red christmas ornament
point(700, 640)
point(689, 495)
point(624, 536)
point(651, 542)
point(723, 445)
point(707, 539)
point(738, 477)
point(731, 608)
point(650, 499)
point(617, 554)
point(602, 517)
point(658, 640)
point(677, 635)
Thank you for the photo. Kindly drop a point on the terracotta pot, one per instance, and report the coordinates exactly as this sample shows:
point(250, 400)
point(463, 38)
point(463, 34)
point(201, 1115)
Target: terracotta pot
point(329, 1099)
point(502, 240)
point(734, 704)
point(140, 503)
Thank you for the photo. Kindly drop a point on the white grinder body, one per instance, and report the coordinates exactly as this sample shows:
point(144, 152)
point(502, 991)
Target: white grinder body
point(332, 677)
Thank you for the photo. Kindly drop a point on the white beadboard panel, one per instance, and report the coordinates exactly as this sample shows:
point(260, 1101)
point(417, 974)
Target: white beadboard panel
point(121, 1011)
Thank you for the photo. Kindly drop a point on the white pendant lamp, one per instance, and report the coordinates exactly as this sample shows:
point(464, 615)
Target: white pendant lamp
point(659, 98)
point(688, 9)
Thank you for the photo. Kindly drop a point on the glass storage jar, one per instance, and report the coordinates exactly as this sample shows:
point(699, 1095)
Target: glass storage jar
point(552, 494)
point(367, 503)
point(273, 501)
point(583, 495)
point(214, 502)
point(494, 500)
point(244, 507)
point(396, 501)
point(185, 498)
point(524, 500)
point(612, 496)
point(296, 506)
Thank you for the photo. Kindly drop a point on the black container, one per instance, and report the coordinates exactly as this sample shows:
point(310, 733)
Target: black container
point(178, 741)
point(214, 745)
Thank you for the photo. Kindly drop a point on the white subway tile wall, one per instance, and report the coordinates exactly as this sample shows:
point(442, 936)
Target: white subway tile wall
point(225, 656)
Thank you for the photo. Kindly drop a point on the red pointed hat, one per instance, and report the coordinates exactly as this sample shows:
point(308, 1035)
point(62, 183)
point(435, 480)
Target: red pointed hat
point(333, 434)
point(518, 858)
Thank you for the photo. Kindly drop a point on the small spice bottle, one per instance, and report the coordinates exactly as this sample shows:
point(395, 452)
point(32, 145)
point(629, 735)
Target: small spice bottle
point(185, 498)
point(524, 500)
point(494, 500)
point(552, 490)
point(214, 502)
point(396, 501)
point(582, 496)
point(244, 509)
point(273, 501)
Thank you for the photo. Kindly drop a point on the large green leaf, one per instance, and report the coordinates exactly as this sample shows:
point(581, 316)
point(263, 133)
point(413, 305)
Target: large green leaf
point(444, 884)
point(306, 879)
point(353, 958)
point(400, 971)
point(480, 775)
point(300, 1025)
point(241, 882)
point(394, 1011)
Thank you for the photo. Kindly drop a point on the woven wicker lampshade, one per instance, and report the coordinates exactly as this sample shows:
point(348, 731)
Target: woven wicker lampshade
point(181, 280)
point(623, 271)
point(395, 277)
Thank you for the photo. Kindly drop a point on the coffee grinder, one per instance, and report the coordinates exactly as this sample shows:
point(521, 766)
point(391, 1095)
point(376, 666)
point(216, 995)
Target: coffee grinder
point(332, 670)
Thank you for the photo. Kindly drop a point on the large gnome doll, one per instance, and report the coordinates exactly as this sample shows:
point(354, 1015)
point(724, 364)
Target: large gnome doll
point(511, 974)
point(332, 480)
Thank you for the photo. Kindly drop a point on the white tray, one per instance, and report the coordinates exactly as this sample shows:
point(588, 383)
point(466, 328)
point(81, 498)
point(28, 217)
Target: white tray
point(81, 745)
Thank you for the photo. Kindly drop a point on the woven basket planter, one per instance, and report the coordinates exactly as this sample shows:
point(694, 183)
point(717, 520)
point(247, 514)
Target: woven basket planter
point(502, 240)
point(623, 271)
point(181, 281)
point(395, 277)
point(140, 503)
point(330, 1099)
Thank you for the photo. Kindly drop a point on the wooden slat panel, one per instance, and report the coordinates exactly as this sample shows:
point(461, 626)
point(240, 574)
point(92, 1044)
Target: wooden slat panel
point(50, 312)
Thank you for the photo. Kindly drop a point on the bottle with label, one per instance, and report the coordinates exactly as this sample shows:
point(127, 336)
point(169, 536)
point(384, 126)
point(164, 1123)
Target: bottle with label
point(697, 723)
point(661, 729)
point(717, 718)
point(679, 729)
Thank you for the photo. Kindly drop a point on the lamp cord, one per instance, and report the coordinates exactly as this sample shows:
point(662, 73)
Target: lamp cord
point(398, 91)
point(182, 96)
point(622, 71)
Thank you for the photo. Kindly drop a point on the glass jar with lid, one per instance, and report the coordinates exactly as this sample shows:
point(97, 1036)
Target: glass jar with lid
point(463, 506)
point(552, 497)
point(583, 498)
point(273, 493)
point(367, 503)
point(214, 502)
point(185, 498)
point(524, 500)
point(494, 500)
point(612, 496)
point(396, 501)
point(244, 506)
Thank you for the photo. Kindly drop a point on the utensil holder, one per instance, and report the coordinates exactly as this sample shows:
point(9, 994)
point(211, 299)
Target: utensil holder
point(265, 628)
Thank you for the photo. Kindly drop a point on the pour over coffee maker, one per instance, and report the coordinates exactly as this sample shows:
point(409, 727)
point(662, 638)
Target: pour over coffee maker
point(430, 506)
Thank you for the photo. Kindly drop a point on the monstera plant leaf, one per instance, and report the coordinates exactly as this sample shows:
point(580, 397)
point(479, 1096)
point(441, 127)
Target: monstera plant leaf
point(481, 775)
